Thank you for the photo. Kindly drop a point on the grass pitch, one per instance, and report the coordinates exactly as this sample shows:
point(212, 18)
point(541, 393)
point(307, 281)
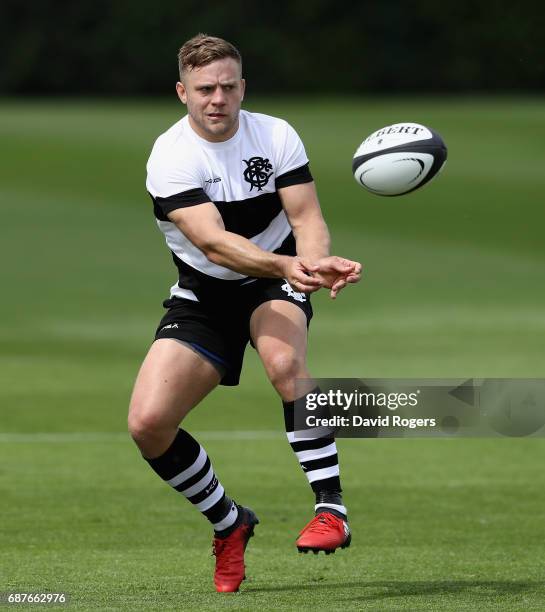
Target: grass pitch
point(454, 287)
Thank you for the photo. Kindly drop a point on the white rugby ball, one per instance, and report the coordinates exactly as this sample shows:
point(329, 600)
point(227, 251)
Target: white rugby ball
point(399, 158)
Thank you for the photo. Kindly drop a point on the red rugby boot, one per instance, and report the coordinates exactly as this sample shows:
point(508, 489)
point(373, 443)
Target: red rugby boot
point(325, 532)
point(229, 552)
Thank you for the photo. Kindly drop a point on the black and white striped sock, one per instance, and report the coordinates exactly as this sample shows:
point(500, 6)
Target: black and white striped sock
point(186, 467)
point(318, 459)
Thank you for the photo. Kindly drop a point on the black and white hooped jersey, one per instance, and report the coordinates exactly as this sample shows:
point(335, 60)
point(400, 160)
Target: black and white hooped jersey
point(241, 177)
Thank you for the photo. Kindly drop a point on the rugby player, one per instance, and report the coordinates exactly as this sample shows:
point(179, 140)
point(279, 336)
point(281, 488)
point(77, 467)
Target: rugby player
point(234, 197)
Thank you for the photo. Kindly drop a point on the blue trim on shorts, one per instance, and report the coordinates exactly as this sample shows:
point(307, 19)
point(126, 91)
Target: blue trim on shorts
point(208, 354)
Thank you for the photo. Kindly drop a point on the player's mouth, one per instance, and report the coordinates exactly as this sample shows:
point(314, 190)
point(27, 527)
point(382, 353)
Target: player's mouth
point(216, 116)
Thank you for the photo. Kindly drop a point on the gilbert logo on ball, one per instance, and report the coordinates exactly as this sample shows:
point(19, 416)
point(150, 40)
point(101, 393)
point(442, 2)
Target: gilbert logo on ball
point(399, 158)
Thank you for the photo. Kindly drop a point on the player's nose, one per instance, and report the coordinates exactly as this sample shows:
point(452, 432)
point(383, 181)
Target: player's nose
point(219, 97)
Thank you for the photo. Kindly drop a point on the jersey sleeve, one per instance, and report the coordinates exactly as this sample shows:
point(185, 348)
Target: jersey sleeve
point(174, 186)
point(292, 166)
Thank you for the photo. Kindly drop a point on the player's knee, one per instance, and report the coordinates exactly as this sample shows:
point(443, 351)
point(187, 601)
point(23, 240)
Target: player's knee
point(284, 367)
point(143, 424)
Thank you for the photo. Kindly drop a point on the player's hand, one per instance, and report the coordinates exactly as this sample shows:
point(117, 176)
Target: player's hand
point(300, 274)
point(337, 272)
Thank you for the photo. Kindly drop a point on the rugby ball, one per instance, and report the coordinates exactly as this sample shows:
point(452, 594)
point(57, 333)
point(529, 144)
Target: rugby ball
point(399, 158)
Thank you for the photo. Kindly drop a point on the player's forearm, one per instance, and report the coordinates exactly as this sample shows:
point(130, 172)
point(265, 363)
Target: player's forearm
point(312, 239)
point(243, 256)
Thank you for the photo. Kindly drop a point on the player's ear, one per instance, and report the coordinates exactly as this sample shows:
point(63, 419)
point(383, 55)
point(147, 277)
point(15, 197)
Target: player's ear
point(242, 88)
point(181, 91)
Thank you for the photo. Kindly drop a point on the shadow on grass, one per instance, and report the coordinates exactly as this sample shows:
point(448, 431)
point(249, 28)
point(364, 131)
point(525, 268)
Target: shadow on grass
point(383, 589)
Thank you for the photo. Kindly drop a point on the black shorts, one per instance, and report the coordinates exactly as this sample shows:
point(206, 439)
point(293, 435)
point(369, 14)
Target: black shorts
point(221, 331)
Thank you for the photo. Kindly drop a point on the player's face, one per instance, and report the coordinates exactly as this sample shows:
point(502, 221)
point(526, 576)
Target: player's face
point(213, 95)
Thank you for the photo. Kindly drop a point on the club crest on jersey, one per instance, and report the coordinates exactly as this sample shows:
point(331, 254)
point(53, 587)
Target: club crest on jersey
point(257, 172)
point(298, 297)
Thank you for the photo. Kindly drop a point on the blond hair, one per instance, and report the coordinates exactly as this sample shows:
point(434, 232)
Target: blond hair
point(202, 50)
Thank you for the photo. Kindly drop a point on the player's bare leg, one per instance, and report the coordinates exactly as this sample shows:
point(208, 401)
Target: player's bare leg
point(279, 332)
point(172, 380)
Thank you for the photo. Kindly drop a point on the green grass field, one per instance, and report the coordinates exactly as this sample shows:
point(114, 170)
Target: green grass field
point(454, 287)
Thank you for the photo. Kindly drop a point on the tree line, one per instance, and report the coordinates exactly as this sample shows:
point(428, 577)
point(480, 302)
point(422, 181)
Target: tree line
point(121, 47)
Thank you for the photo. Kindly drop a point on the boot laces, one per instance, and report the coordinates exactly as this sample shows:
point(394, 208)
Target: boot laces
point(322, 523)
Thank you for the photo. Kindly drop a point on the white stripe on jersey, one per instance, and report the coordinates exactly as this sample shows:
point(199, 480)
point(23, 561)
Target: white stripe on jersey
point(186, 294)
